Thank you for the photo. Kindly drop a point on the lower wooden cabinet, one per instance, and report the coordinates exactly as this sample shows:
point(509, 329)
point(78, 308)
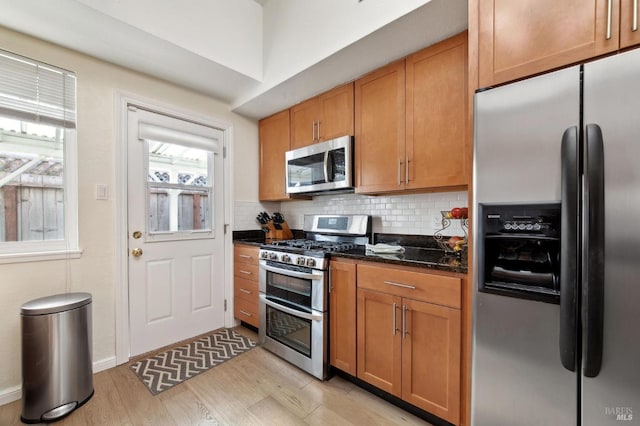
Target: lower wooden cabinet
point(379, 340)
point(431, 359)
point(342, 315)
point(245, 284)
point(408, 347)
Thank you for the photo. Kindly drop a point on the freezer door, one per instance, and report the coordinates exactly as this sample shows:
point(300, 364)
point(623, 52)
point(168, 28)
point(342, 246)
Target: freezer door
point(612, 101)
point(518, 131)
point(517, 374)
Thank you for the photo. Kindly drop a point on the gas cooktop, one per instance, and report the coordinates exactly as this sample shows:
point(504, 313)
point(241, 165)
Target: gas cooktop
point(305, 245)
point(325, 234)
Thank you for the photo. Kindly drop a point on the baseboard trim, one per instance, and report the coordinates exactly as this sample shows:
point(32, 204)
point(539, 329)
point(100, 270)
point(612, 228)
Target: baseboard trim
point(104, 364)
point(10, 394)
point(15, 393)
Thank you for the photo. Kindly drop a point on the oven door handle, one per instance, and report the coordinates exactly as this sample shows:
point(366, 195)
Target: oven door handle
point(295, 274)
point(287, 310)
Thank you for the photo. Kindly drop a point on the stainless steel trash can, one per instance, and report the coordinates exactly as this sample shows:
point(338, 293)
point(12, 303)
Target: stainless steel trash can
point(57, 372)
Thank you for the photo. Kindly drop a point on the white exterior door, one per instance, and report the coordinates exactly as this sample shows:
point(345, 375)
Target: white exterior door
point(175, 229)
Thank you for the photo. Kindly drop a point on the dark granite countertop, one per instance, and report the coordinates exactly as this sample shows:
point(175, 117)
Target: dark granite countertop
point(249, 241)
point(412, 256)
point(420, 251)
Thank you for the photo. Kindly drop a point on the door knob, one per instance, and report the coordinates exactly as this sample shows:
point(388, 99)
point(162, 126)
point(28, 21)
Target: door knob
point(137, 252)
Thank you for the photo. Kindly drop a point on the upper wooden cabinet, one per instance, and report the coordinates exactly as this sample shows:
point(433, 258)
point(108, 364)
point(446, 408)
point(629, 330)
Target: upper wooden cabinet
point(436, 115)
point(525, 37)
point(380, 127)
point(322, 118)
point(274, 143)
point(411, 122)
point(629, 24)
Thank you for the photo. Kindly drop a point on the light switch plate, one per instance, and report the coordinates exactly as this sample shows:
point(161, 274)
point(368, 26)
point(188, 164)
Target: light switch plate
point(102, 191)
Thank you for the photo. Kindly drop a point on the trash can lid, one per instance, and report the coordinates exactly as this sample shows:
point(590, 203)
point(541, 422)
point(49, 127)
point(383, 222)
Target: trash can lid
point(54, 304)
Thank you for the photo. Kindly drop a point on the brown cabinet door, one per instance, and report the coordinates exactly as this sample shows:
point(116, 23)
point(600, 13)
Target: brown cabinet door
point(304, 123)
point(629, 23)
point(336, 113)
point(274, 143)
point(431, 359)
point(343, 316)
point(436, 124)
point(525, 37)
point(380, 130)
point(379, 343)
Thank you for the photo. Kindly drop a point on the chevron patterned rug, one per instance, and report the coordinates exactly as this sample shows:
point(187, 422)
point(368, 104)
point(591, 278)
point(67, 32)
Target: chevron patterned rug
point(167, 369)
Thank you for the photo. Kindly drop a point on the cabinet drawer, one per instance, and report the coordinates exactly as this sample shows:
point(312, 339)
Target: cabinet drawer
point(246, 311)
point(438, 289)
point(246, 270)
point(246, 254)
point(246, 289)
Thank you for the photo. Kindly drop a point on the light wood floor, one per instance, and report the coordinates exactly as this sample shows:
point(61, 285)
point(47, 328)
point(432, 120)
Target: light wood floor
point(255, 388)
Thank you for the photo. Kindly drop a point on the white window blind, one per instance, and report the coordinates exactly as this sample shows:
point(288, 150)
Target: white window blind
point(37, 92)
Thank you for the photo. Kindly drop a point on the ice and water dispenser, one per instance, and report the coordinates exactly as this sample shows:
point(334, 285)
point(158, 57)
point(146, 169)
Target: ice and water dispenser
point(519, 253)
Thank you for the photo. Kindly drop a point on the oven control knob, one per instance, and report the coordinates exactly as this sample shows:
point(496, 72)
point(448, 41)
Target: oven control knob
point(311, 262)
point(264, 255)
point(273, 256)
point(301, 261)
point(285, 258)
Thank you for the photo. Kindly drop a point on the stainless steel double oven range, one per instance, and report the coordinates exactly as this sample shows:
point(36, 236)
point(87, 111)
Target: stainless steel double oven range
point(294, 288)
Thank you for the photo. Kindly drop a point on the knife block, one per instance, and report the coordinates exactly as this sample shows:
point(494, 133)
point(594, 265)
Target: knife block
point(278, 234)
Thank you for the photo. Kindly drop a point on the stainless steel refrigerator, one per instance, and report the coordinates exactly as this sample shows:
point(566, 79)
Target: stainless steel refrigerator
point(556, 261)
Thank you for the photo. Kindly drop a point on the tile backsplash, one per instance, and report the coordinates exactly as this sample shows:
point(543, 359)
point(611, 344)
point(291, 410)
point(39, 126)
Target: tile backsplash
point(416, 214)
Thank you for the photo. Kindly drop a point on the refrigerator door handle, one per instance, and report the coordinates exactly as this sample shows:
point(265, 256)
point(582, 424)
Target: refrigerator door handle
point(570, 228)
point(593, 271)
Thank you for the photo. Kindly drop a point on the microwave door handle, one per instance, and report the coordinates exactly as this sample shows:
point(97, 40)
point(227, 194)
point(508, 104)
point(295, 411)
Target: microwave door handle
point(326, 166)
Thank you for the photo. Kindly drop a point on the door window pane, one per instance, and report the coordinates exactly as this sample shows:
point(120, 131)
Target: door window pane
point(178, 188)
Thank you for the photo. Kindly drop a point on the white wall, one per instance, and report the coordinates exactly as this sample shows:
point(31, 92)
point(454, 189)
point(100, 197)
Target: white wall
point(98, 83)
point(227, 32)
point(300, 33)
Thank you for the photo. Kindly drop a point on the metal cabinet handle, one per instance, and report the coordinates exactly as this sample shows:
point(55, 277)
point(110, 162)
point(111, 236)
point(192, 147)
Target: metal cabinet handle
point(245, 256)
point(412, 287)
point(319, 122)
point(399, 172)
point(313, 131)
point(634, 25)
point(609, 13)
point(395, 306)
point(245, 313)
point(245, 291)
point(406, 171)
point(404, 321)
point(244, 272)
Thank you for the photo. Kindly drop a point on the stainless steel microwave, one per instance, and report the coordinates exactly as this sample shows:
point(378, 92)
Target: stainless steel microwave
point(321, 167)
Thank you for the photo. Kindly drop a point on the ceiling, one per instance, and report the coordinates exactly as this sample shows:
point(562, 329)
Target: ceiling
point(72, 24)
